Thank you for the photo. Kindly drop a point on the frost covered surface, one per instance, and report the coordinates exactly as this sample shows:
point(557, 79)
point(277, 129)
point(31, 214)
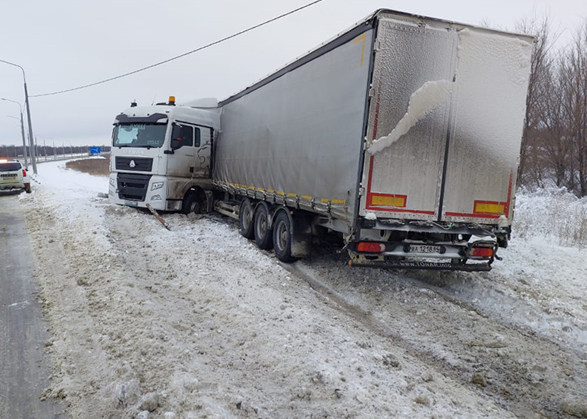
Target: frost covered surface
point(423, 101)
point(197, 322)
point(491, 85)
point(554, 214)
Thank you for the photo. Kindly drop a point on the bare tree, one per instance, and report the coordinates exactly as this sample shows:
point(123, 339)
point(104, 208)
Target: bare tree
point(573, 74)
point(530, 170)
point(554, 142)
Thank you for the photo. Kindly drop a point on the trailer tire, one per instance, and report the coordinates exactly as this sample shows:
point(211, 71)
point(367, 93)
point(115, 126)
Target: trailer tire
point(283, 237)
point(245, 219)
point(263, 232)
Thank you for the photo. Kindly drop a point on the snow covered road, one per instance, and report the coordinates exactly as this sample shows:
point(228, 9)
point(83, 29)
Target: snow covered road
point(197, 322)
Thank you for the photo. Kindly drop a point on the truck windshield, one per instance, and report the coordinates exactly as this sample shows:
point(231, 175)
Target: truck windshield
point(139, 135)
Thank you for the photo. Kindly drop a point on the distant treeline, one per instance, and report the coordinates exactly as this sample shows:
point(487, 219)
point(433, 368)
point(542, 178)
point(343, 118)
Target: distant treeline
point(554, 144)
point(16, 152)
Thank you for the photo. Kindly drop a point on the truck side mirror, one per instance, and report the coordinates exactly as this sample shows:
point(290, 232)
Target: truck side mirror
point(176, 143)
point(176, 137)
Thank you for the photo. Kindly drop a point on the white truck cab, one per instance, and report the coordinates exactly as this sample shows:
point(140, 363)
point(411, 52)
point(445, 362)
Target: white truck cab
point(162, 155)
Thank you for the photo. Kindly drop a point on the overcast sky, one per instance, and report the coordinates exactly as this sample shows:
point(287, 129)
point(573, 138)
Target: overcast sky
point(63, 44)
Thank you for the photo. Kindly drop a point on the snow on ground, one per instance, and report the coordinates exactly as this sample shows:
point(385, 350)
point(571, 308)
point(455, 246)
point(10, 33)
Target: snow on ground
point(197, 322)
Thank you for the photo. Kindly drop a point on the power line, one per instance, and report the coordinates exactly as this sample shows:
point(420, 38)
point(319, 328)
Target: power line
point(182, 55)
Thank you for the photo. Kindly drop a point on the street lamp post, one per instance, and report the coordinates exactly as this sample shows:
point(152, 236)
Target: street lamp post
point(28, 112)
point(26, 164)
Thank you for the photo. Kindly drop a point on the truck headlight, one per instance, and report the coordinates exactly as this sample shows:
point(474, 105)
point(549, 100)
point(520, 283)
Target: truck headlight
point(113, 182)
point(157, 185)
point(156, 198)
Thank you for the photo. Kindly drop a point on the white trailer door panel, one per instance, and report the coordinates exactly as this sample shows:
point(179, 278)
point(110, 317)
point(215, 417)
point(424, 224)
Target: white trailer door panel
point(488, 108)
point(445, 122)
point(413, 65)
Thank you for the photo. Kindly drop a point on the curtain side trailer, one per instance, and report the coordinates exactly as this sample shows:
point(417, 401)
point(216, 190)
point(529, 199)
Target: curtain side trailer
point(402, 134)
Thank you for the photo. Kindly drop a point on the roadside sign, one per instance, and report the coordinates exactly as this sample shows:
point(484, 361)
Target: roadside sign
point(95, 150)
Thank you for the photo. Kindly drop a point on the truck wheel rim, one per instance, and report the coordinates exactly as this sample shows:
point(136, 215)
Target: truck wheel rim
point(261, 225)
point(281, 236)
point(247, 216)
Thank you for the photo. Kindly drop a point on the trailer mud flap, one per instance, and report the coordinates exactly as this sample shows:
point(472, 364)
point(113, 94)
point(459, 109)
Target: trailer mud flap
point(301, 244)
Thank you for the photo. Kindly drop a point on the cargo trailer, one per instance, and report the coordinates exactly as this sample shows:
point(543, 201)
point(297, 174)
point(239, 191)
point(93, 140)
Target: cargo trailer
point(401, 135)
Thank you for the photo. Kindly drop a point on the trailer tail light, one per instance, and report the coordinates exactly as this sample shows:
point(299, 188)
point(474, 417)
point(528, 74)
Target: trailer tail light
point(370, 247)
point(482, 252)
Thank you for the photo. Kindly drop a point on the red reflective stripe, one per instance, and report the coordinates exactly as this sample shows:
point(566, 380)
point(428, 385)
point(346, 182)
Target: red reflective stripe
point(400, 210)
point(509, 200)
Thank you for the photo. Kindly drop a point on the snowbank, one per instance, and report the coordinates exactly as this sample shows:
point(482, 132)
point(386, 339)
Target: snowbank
point(197, 322)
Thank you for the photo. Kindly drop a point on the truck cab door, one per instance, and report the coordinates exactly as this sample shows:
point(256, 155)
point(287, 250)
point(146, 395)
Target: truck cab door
point(203, 144)
point(182, 159)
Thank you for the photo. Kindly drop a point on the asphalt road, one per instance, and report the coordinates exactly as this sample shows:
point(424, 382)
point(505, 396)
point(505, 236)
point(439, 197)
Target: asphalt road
point(24, 367)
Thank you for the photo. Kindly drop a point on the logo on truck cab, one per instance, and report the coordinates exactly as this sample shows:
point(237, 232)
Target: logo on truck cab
point(132, 163)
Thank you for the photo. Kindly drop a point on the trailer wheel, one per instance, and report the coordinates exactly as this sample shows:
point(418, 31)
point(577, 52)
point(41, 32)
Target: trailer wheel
point(245, 219)
point(282, 238)
point(263, 234)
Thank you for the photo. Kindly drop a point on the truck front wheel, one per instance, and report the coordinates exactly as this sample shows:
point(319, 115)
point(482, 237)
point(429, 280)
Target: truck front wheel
point(282, 238)
point(190, 204)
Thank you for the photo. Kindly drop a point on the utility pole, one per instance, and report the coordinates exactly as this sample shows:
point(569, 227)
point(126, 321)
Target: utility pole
point(21, 131)
point(28, 111)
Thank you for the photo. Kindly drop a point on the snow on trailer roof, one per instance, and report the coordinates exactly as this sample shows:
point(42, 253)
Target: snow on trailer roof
point(357, 29)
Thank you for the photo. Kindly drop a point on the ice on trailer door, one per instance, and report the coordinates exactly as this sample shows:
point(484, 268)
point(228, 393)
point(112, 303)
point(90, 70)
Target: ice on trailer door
point(408, 118)
point(488, 108)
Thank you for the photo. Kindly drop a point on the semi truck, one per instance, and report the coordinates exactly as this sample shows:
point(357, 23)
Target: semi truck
point(401, 135)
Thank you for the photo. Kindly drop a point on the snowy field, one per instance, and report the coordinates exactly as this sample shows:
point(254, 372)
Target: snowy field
point(197, 322)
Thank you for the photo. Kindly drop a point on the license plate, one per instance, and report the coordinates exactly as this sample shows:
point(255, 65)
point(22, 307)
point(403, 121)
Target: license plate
point(130, 203)
point(424, 248)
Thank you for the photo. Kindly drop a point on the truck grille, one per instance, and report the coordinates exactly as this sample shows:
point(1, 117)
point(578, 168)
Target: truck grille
point(132, 187)
point(138, 164)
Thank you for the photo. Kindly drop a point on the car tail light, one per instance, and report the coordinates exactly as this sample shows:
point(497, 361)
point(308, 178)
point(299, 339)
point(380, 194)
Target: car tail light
point(23, 172)
point(370, 247)
point(482, 252)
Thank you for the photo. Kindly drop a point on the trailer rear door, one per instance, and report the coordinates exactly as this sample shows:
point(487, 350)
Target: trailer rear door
point(445, 117)
point(486, 130)
point(402, 181)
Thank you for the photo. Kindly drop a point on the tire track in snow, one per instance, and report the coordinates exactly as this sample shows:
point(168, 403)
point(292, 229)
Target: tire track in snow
point(543, 390)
